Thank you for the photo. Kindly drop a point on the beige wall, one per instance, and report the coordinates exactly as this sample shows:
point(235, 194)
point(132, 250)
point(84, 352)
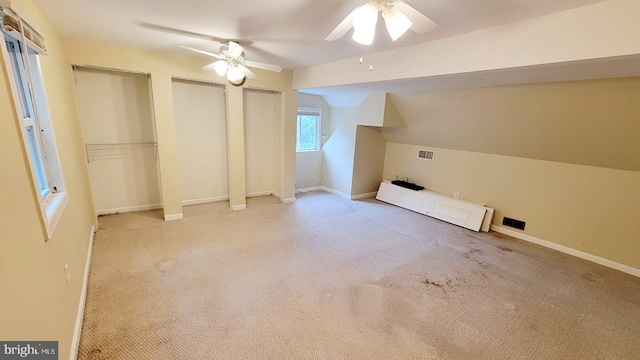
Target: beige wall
point(162, 68)
point(309, 166)
point(590, 209)
point(368, 162)
point(591, 122)
point(339, 150)
point(201, 139)
point(36, 302)
point(354, 154)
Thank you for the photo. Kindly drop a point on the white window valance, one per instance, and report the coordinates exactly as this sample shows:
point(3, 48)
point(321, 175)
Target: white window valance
point(13, 25)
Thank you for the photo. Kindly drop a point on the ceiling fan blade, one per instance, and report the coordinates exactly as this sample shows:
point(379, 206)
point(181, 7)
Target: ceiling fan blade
point(421, 23)
point(181, 32)
point(235, 50)
point(200, 51)
point(264, 66)
point(341, 29)
point(210, 67)
point(248, 73)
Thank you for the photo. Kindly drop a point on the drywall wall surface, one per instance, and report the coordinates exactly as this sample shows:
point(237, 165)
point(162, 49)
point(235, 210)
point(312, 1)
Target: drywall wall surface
point(371, 111)
point(120, 139)
point(592, 122)
point(277, 146)
point(340, 149)
point(114, 107)
point(260, 128)
point(289, 108)
point(368, 164)
point(36, 301)
point(236, 147)
point(392, 117)
point(598, 31)
point(378, 110)
point(590, 209)
point(162, 95)
point(201, 139)
point(309, 166)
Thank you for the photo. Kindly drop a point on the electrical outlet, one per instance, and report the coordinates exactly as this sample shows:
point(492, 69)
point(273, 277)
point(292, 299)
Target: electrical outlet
point(456, 195)
point(67, 274)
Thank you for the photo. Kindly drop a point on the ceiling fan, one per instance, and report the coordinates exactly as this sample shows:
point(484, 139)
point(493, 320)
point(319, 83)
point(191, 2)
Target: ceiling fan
point(232, 64)
point(398, 17)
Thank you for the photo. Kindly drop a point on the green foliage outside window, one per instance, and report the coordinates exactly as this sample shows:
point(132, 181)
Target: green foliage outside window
point(307, 138)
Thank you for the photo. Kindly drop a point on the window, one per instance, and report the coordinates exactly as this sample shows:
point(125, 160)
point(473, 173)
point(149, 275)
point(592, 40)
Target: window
point(22, 61)
point(309, 129)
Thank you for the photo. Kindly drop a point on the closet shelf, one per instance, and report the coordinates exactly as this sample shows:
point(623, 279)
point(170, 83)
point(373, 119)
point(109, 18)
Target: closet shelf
point(119, 145)
point(115, 150)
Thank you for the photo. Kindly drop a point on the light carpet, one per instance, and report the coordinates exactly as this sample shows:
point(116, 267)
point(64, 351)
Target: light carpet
point(329, 278)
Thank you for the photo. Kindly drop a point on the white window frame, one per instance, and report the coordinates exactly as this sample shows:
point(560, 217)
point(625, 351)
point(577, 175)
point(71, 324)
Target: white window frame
point(310, 111)
point(52, 200)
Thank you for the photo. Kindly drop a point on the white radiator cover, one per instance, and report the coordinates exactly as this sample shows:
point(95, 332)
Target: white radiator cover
point(463, 213)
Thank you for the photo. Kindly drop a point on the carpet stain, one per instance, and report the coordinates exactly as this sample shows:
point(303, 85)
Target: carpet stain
point(505, 249)
point(448, 283)
point(471, 252)
point(589, 277)
point(166, 267)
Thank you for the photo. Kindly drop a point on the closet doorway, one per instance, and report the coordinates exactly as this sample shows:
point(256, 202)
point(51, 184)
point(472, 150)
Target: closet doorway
point(201, 140)
point(120, 139)
point(263, 142)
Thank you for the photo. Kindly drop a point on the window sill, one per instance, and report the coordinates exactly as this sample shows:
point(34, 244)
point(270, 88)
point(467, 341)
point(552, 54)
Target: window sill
point(53, 211)
point(308, 151)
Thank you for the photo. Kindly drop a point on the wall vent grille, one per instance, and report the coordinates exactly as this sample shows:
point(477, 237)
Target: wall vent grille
point(517, 224)
point(426, 154)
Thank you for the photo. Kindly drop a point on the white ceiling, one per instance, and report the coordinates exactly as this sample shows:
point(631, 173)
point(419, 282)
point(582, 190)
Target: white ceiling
point(289, 33)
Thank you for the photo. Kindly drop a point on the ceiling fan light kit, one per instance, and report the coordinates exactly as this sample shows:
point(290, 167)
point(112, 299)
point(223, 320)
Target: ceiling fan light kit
point(398, 17)
point(231, 63)
point(365, 19)
point(397, 23)
point(220, 67)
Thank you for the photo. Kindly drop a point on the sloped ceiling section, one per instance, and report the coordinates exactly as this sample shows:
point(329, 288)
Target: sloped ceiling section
point(593, 122)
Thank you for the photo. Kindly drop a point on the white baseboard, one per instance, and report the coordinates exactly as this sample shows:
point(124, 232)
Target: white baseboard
point(172, 217)
point(567, 250)
point(330, 190)
point(239, 207)
point(276, 195)
point(75, 343)
point(205, 200)
point(129, 209)
point(313, 188)
point(259, 193)
point(364, 196)
point(288, 200)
